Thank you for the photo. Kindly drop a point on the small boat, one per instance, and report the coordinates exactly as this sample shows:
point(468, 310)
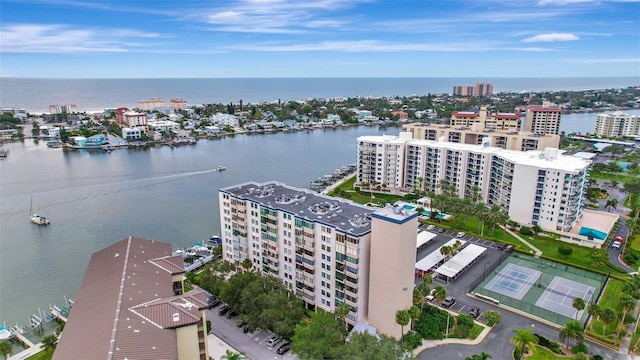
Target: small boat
point(5, 334)
point(34, 216)
point(220, 168)
point(215, 239)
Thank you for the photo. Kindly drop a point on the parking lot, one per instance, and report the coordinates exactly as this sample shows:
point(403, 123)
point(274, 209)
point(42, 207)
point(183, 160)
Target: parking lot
point(252, 345)
point(460, 287)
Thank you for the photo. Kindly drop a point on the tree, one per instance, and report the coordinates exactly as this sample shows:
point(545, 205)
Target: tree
point(427, 278)
point(402, 319)
point(341, 311)
point(230, 355)
point(482, 356)
point(364, 346)
point(630, 287)
point(581, 356)
point(49, 342)
point(593, 310)
point(607, 316)
point(523, 339)
point(571, 330)
point(578, 304)
point(440, 292)
point(565, 250)
point(5, 349)
point(319, 338)
point(246, 264)
point(628, 303)
point(414, 314)
point(493, 317)
point(611, 203)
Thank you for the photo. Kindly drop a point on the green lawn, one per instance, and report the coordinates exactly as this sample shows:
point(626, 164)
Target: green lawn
point(609, 299)
point(471, 225)
point(606, 176)
point(541, 353)
point(364, 196)
point(42, 355)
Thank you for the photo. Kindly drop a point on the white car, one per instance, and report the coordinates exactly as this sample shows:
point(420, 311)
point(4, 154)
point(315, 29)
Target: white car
point(616, 245)
point(461, 234)
point(431, 227)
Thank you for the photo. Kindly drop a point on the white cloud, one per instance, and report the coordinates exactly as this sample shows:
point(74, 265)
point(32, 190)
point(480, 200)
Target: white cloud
point(551, 37)
point(57, 38)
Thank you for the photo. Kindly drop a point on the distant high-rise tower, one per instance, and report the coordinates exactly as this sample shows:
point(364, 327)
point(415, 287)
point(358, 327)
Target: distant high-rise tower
point(543, 120)
point(483, 89)
point(463, 90)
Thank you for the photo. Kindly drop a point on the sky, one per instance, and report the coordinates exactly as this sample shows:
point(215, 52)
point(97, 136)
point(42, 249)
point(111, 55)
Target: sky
point(319, 38)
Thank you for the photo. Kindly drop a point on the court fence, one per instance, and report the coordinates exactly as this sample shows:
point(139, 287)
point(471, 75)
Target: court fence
point(549, 271)
point(488, 269)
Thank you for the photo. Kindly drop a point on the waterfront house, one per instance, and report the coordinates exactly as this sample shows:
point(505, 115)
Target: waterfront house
point(212, 130)
point(164, 125)
point(8, 133)
point(290, 123)
point(252, 127)
point(131, 134)
point(95, 141)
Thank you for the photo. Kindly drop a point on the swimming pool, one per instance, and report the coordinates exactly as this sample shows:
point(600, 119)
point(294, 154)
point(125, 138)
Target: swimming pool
point(424, 212)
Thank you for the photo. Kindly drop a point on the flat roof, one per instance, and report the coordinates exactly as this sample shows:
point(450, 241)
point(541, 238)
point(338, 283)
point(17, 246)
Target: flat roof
point(341, 214)
point(461, 260)
point(424, 237)
point(435, 256)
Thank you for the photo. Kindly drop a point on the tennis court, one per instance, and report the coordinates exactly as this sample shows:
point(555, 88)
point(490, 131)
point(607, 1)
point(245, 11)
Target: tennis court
point(559, 295)
point(540, 287)
point(513, 281)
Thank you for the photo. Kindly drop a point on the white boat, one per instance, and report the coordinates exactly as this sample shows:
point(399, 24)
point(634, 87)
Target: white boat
point(220, 168)
point(35, 217)
point(5, 334)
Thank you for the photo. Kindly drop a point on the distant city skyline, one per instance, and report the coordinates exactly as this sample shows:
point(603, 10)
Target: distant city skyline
point(319, 38)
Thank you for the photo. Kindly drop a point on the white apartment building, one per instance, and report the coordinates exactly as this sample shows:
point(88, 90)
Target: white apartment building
point(225, 120)
point(131, 134)
point(327, 250)
point(533, 187)
point(150, 104)
point(617, 124)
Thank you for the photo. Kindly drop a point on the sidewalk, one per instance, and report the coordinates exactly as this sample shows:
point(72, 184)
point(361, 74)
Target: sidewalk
point(535, 249)
point(427, 344)
point(218, 348)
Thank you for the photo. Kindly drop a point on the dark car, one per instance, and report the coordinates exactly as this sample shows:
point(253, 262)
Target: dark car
point(448, 302)
point(231, 313)
point(283, 349)
point(474, 312)
point(214, 303)
point(440, 230)
point(223, 310)
point(245, 329)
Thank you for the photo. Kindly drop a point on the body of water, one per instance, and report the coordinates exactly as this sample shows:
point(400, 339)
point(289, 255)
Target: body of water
point(92, 95)
point(168, 194)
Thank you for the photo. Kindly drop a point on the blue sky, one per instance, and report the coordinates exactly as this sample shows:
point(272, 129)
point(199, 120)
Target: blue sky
point(319, 38)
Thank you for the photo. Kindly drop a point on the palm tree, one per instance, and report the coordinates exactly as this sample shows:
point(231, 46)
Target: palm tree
point(465, 207)
point(594, 311)
point(418, 186)
point(480, 211)
point(494, 216)
point(611, 203)
point(482, 356)
point(607, 316)
point(523, 339)
point(414, 314)
point(5, 349)
point(476, 194)
point(628, 303)
point(49, 342)
point(402, 318)
point(424, 290)
point(246, 264)
point(578, 304)
point(571, 330)
point(342, 310)
point(446, 251)
point(440, 292)
point(428, 279)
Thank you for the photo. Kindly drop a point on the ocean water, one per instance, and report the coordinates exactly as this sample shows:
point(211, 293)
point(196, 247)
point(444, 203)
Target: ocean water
point(92, 95)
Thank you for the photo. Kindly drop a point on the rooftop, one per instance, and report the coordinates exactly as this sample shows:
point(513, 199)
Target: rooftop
point(305, 204)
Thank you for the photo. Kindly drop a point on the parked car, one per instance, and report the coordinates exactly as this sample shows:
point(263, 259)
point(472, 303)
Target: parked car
point(440, 230)
point(273, 340)
point(616, 245)
point(283, 349)
point(619, 238)
point(474, 312)
point(231, 314)
point(448, 302)
point(461, 234)
point(214, 303)
point(430, 297)
point(224, 310)
point(431, 227)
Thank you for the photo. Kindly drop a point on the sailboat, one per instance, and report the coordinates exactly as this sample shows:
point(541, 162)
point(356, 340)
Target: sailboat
point(34, 216)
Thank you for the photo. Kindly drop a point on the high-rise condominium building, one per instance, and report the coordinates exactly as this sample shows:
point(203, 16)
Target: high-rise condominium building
point(493, 121)
point(543, 120)
point(534, 187)
point(617, 125)
point(476, 133)
point(327, 250)
point(482, 89)
point(463, 90)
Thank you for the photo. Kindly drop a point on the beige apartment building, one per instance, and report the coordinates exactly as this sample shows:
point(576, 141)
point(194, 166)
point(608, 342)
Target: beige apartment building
point(617, 125)
point(494, 121)
point(131, 305)
point(326, 250)
point(543, 120)
point(476, 134)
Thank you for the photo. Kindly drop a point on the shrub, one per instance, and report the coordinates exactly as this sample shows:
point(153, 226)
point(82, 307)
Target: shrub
point(412, 339)
point(579, 348)
point(596, 357)
point(432, 323)
point(564, 250)
point(629, 259)
point(464, 326)
point(525, 231)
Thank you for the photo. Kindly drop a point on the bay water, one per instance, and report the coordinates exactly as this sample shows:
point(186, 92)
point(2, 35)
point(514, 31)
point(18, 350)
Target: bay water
point(94, 199)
